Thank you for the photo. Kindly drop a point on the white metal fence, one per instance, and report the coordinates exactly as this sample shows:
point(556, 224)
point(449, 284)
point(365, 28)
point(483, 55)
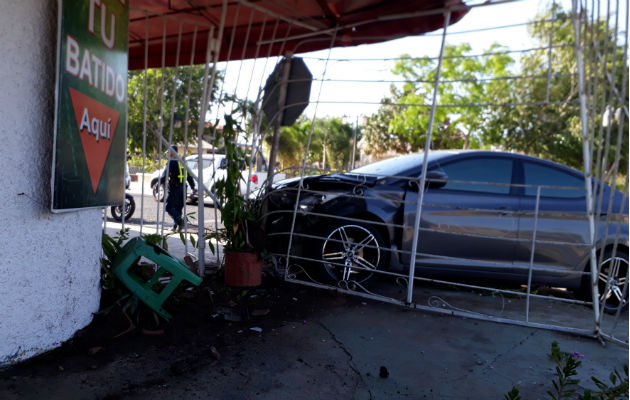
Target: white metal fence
point(596, 55)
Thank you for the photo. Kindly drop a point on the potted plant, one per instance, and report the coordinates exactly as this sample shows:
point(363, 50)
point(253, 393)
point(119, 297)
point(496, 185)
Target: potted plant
point(242, 266)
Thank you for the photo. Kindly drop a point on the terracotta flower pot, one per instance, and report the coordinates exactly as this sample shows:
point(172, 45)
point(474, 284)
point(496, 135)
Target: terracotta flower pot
point(242, 268)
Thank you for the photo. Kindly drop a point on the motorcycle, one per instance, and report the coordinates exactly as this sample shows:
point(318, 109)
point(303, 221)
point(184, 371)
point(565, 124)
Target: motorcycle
point(129, 205)
point(129, 208)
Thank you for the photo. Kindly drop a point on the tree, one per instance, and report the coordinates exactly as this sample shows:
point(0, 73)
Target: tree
point(550, 125)
point(331, 143)
point(466, 84)
point(378, 135)
point(160, 85)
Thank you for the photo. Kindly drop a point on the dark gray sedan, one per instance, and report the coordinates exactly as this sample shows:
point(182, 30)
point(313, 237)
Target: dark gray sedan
point(477, 220)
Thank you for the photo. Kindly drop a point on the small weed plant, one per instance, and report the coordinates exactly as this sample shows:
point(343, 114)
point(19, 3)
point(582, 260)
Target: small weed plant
point(566, 385)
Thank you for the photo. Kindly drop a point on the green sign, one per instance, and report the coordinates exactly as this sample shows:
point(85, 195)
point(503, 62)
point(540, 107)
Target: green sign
point(91, 104)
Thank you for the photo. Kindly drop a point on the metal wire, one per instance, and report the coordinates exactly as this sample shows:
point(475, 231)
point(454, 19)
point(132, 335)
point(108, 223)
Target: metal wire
point(456, 57)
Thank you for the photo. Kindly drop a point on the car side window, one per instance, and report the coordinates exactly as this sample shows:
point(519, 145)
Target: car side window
point(482, 175)
point(222, 164)
point(192, 164)
point(537, 174)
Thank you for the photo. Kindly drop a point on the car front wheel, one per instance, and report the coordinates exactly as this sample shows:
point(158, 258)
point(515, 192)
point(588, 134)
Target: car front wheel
point(158, 192)
point(351, 252)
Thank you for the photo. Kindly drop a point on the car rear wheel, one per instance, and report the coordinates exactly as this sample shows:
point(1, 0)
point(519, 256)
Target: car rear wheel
point(613, 274)
point(351, 252)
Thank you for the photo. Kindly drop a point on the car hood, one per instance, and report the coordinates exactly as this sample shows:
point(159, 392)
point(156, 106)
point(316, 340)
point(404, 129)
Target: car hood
point(330, 180)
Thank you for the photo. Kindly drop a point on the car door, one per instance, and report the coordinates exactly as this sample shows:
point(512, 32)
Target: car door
point(468, 225)
point(562, 231)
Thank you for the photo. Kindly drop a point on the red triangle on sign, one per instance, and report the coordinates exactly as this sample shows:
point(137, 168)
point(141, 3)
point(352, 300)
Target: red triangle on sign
point(96, 125)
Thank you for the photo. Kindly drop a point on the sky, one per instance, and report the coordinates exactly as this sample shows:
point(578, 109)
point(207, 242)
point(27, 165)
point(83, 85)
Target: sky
point(371, 64)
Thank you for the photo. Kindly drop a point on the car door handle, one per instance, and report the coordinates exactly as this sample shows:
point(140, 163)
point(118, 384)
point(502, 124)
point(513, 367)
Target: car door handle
point(505, 210)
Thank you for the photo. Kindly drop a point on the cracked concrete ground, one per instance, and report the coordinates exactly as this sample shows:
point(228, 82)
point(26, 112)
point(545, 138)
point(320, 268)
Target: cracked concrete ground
point(349, 349)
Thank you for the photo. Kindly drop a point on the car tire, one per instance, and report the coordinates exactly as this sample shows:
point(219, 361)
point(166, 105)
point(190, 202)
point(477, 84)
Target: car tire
point(158, 192)
point(613, 270)
point(130, 208)
point(351, 251)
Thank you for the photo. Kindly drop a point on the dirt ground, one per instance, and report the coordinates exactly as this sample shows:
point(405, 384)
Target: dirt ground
point(287, 341)
point(112, 359)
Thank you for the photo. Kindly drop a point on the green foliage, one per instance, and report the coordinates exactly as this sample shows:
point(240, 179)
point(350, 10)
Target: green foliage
point(554, 131)
point(617, 389)
point(464, 86)
point(236, 211)
point(495, 100)
point(378, 134)
point(513, 394)
point(161, 84)
point(111, 287)
point(150, 165)
point(565, 385)
point(111, 247)
point(331, 143)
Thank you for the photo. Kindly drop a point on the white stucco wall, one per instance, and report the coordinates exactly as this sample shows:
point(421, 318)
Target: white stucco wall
point(49, 263)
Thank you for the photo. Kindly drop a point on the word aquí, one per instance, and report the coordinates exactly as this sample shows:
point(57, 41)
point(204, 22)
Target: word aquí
point(96, 127)
point(87, 66)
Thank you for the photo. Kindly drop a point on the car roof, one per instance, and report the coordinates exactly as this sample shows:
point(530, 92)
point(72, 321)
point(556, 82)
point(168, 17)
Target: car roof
point(443, 155)
point(205, 156)
point(408, 164)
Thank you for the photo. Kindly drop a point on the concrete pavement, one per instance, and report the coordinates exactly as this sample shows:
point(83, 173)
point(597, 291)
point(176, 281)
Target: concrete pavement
point(363, 349)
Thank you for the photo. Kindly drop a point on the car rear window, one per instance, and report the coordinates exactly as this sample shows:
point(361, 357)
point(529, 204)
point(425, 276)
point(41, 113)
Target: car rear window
point(555, 182)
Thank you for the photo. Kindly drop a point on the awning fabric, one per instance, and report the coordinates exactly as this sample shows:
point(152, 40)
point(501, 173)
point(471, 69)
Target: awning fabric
point(273, 27)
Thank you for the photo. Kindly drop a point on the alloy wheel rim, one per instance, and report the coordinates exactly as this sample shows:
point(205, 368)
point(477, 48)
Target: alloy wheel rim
point(353, 251)
point(613, 275)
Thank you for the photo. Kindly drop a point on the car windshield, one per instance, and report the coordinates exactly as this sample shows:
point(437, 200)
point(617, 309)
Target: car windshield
point(397, 166)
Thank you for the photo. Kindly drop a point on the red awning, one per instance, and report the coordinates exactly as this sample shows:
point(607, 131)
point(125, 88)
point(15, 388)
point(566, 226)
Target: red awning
point(260, 28)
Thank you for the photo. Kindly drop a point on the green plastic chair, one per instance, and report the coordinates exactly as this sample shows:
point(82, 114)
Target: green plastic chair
point(130, 254)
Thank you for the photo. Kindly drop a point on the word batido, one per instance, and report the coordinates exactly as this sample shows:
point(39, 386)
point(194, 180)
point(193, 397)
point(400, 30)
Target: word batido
point(88, 66)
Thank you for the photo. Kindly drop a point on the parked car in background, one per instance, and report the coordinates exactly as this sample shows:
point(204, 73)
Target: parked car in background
point(477, 221)
point(214, 169)
point(212, 165)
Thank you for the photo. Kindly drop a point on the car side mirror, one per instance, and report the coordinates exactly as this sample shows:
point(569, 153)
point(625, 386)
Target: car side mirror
point(436, 179)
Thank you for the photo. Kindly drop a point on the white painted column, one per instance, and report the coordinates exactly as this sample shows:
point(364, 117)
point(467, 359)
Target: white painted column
point(49, 263)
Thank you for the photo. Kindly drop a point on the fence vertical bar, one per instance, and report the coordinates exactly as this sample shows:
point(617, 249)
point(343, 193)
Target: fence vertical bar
point(308, 145)
point(550, 52)
point(425, 162)
point(531, 255)
point(205, 96)
point(586, 154)
point(144, 119)
point(186, 125)
point(160, 127)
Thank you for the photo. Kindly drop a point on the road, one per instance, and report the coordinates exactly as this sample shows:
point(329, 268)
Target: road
point(149, 212)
